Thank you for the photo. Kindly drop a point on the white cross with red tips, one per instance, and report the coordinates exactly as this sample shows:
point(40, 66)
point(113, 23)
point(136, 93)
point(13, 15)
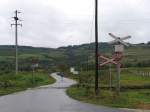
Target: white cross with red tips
point(119, 40)
point(107, 60)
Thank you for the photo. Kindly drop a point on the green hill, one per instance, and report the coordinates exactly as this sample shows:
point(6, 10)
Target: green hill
point(135, 55)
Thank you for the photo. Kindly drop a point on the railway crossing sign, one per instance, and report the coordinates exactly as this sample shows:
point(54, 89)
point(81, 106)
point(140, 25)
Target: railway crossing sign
point(119, 44)
point(119, 40)
point(119, 48)
point(106, 60)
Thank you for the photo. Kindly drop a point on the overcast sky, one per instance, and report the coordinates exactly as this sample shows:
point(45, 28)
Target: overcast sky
point(55, 23)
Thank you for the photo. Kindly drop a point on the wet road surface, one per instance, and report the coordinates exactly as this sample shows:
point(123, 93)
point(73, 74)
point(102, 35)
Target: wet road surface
point(50, 98)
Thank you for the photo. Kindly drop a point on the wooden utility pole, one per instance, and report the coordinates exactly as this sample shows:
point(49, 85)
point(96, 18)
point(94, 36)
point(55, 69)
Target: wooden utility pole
point(16, 39)
point(96, 48)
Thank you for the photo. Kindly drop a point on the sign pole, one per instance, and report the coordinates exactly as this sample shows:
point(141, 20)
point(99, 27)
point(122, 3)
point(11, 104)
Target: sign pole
point(110, 77)
point(33, 75)
point(118, 78)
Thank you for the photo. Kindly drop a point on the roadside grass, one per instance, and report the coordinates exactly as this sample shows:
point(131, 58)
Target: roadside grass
point(128, 77)
point(126, 99)
point(130, 96)
point(23, 80)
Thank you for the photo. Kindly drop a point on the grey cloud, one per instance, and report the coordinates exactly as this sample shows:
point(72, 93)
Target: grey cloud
point(50, 25)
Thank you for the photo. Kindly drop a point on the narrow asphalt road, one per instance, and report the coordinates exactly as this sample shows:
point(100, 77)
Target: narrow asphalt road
point(51, 98)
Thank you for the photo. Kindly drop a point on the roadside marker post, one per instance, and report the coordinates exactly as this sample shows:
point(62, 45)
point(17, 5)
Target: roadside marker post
point(33, 72)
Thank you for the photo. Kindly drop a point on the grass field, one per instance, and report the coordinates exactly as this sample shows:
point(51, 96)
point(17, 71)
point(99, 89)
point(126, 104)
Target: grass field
point(22, 81)
point(128, 77)
point(130, 96)
point(127, 99)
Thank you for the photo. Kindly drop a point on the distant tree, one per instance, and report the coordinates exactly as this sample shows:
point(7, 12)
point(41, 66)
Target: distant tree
point(63, 68)
point(141, 43)
point(148, 43)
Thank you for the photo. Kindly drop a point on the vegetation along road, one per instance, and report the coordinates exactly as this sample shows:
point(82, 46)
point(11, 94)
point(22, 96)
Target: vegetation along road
point(50, 98)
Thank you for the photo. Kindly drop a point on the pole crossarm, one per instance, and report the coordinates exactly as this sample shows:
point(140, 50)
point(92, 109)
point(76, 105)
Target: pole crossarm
point(16, 24)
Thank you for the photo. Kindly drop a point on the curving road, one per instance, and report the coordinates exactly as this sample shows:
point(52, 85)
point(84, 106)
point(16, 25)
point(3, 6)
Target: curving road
point(51, 98)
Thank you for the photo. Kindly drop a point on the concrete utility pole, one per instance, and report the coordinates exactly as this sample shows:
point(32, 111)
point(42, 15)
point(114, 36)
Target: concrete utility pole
point(16, 38)
point(96, 48)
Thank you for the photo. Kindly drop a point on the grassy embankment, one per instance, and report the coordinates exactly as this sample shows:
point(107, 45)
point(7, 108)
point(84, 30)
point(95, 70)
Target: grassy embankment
point(130, 96)
point(22, 81)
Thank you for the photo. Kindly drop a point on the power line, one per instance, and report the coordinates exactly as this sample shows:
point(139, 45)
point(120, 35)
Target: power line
point(16, 24)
